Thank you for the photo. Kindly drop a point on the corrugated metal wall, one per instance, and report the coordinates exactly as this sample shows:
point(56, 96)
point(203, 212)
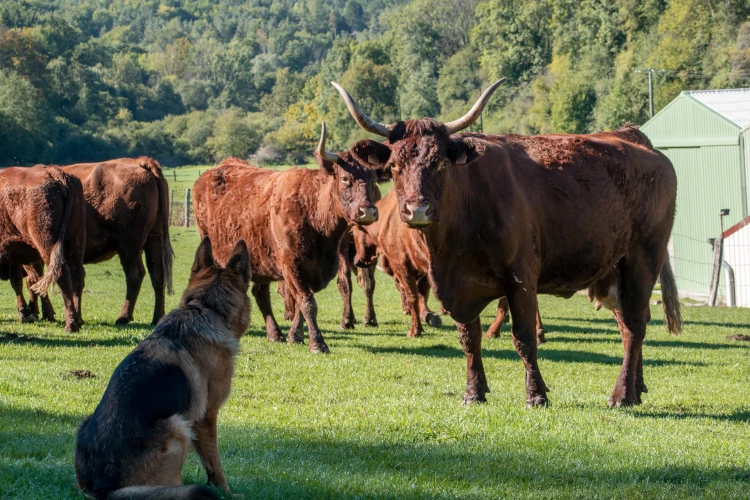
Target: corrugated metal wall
point(708, 179)
point(705, 151)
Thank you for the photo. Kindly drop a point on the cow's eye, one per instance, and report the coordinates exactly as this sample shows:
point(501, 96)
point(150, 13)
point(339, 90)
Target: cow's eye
point(347, 181)
point(396, 169)
point(445, 163)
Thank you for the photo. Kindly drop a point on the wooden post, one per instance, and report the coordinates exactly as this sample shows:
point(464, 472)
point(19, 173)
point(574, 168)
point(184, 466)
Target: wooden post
point(171, 205)
point(187, 207)
point(718, 254)
point(174, 174)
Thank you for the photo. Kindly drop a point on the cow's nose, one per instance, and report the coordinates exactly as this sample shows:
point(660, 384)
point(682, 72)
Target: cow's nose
point(417, 215)
point(367, 215)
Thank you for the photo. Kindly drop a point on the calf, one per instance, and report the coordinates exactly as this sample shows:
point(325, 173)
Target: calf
point(42, 222)
point(292, 221)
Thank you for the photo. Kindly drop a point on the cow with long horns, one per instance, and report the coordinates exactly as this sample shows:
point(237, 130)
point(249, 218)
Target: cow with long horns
point(292, 222)
point(512, 216)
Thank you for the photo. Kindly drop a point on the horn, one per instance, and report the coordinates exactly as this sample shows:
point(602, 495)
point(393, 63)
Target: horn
point(364, 121)
point(475, 111)
point(326, 155)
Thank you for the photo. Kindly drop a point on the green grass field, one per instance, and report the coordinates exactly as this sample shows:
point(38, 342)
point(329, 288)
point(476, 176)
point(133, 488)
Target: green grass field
point(381, 416)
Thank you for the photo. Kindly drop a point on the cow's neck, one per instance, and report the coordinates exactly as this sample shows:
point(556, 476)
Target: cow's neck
point(325, 215)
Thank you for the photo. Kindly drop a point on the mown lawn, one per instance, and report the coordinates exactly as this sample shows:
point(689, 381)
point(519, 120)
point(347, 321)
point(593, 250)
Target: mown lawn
point(381, 416)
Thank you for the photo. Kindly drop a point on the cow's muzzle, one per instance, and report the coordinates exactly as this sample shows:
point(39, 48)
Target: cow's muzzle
point(367, 215)
point(418, 215)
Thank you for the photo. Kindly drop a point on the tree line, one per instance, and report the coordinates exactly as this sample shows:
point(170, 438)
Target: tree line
point(189, 81)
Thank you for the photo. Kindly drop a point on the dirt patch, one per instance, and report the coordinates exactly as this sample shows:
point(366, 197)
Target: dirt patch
point(82, 374)
point(740, 337)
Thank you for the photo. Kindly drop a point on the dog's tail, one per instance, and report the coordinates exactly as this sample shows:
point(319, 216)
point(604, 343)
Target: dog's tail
point(190, 492)
point(670, 299)
point(167, 253)
point(57, 258)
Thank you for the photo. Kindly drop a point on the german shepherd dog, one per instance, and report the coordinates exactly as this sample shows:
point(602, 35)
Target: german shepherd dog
point(166, 394)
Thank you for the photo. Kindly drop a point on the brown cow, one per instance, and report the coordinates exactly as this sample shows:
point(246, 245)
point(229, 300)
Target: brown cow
point(365, 280)
point(42, 214)
point(512, 216)
point(292, 221)
point(127, 213)
point(404, 257)
point(493, 331)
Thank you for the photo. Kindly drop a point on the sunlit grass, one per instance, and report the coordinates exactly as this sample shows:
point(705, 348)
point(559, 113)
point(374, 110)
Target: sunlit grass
point(381, 416)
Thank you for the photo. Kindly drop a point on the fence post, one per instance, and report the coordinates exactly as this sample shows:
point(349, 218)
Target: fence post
point(171, 205)
point(174, 174)
point(187, 207)
point(718, 244)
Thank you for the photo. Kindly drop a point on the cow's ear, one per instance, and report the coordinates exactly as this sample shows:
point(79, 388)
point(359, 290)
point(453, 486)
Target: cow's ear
point(375, 156)
point(464, 151)
point(239, 262)
point(325, 165)
point(204, 256)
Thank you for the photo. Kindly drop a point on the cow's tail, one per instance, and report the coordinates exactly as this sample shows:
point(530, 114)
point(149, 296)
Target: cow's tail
point(670, 299)
point(187, 492)
point(57, 257)
point(167, 254)
point(364, 279)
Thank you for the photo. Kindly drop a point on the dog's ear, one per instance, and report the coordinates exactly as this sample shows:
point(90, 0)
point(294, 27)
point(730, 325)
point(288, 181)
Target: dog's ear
point(239, 261)
point(204, 256)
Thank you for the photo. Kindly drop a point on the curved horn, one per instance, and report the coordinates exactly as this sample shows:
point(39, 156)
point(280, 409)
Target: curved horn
point(326, 155)
point(475, 111)
point(364, 121)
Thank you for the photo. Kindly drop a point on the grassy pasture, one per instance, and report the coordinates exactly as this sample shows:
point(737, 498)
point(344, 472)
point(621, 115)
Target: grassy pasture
point(381, 416)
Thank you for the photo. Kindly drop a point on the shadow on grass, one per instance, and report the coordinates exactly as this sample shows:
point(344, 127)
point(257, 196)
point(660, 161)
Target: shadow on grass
point(738, 416)
point(73, 341)
point(648, 342)
point(544, 352)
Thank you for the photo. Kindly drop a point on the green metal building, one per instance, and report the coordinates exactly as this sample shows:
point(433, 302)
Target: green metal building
point(706, 135)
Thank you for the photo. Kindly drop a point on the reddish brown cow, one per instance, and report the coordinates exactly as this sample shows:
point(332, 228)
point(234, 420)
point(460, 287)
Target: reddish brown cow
point(405, 258)
point(42, 214)
point(512, 216)
point(127, 213)
point(292, 221)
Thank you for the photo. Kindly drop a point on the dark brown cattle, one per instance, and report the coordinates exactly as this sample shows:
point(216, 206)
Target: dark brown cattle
point(42, 214)
point(292, 221)
point(405, 258)
point(127, 213)
point(515, 216)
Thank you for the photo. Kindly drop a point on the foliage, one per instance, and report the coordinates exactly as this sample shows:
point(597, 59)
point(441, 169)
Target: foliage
point(99, 79)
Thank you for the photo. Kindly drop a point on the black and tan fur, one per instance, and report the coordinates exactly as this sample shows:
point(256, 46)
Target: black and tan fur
point(166, 394)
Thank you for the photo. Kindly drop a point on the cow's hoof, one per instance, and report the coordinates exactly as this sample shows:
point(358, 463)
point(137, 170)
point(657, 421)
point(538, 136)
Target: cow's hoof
point(347, 324)
point(371, 322)
point(537, 402)
point(540, 338)
point(72, 327)
point(122, 321)
point(433, 319)
point(277, 338)
point(26, 317)
point(620, 402)
point(319, 348)
point(413, 335)
point(471, 398)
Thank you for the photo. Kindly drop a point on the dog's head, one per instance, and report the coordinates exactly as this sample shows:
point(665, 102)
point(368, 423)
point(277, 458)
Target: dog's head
point(221, 289)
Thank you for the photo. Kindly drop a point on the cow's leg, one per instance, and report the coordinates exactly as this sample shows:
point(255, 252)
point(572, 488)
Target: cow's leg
point(540, 331)
point(25, 312)
point(344, 283)
point(297, 330)
point(155, 261)
point(429, 317)
point(632, 314)
point(132, 265)
point(493, 332)
point(470, 336)
point(409, 284)
point(402, 293)
point(65, 283)
point(77, 278)
point(309, 308)
point(523, 307)
point(366, 280)
point(262, 294)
